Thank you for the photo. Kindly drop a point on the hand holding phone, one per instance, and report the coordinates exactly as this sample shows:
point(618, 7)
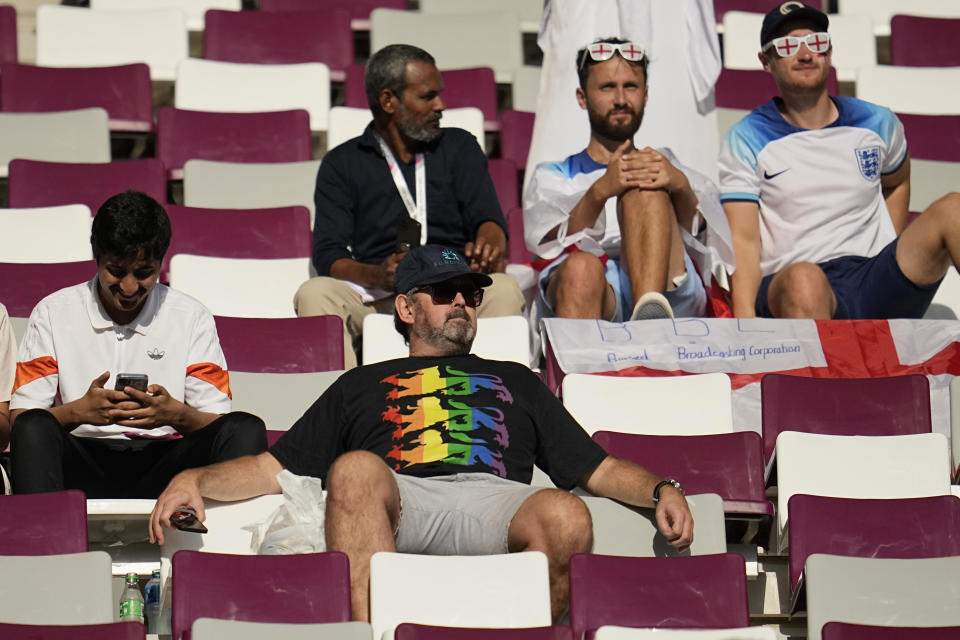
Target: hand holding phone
point(185, 519)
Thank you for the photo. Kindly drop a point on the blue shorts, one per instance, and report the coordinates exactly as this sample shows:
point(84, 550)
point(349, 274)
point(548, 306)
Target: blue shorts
point(689, 300)
point(867, 288)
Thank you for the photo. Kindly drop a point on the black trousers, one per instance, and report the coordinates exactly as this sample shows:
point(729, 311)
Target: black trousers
point(45, 457)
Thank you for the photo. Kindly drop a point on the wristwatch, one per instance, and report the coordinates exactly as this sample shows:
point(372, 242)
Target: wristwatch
point(662, 484)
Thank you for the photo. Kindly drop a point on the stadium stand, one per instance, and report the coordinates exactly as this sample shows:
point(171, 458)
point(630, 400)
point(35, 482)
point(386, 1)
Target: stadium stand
point(43, 524)
point(44, 184)
point(25, 591)
point(80, 135)
point(46, 234)
point(505, 590)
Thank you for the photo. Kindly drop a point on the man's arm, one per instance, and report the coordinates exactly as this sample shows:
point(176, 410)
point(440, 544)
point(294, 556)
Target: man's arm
point(378, 276)
point(744, 219)
point(236, 479)
point(630, 483)
point(896, 191)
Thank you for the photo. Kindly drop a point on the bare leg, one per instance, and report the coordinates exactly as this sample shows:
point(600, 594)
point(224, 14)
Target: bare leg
point(651, 249)
point(931, 243)
point(558, 524)
point(579, 288)
point(801, 290)
point(363, 510)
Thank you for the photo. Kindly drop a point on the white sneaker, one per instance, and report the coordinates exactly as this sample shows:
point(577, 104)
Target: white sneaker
point(652, 306)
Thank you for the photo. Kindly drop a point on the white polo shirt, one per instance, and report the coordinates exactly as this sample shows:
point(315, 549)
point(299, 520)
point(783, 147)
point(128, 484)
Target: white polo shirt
point(70, 341)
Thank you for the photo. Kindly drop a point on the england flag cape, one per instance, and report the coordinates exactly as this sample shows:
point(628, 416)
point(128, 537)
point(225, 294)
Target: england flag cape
point(746, 350)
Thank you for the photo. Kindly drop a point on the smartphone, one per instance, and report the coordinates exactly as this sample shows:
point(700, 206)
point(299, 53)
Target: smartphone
point(185, 519)
point(136, 380)
point(408, 235)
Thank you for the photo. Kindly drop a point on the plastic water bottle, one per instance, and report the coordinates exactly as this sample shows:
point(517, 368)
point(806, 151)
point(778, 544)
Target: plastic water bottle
point(131, 600)
point(152, 602)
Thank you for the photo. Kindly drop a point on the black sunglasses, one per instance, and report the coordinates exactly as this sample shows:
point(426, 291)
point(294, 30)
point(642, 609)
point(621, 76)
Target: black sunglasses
point(446, 293)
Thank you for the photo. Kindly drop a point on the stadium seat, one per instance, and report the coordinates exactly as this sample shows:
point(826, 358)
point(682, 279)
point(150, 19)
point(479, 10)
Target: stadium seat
point(45, 184)
point(81, 37)
point(623, 530)
point(281, 232)
point(871, 528)
point(354, 90)
point(529, 11)
point(889, 406)
point(505, 590)
point(234, 87)
point(916, 41)
point(408, 631)
point(502, 338)
point(282, 136)
point(244, 287)
point(46, 234)
point(504, 176)
point(215, 629)
point(8, 34)
point(43, 523)
point(882, 11)
point(359, 9)
point(847, 631)
point(226, 522)
point(349, 122)
point(124, 91)
point(83, 592)
point(280, 399)
point(728, 464)
point(680, 405)
point(720, 7)
point(81, 135)
point(918, 90)
point(905, 466)
point(494, 38)
point(525, 88)
point(246, 185)
point(302, 588)
point(474, 87)
point(517, 252)
point(934, 144)
point(692, 592)
point(281, 38)
point(23, 285)
point(881, 591)
point(629, 633)
point(516, 132)
point(193, 10)
point(111, 631)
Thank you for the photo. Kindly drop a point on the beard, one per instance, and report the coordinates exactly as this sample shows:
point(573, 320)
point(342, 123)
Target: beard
point(604, 126)
point(453, 338)
point(417, 129)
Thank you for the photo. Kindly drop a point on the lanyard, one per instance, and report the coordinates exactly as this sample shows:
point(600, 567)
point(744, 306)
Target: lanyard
point(418, 209)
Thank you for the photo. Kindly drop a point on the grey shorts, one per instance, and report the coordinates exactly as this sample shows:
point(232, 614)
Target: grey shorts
point(464, 514)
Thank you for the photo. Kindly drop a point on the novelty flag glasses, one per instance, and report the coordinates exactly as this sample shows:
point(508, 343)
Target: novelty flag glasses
point(788, 46)
point(600, 51)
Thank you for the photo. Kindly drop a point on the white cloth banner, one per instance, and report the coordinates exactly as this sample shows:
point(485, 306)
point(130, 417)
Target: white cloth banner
point(747, 349)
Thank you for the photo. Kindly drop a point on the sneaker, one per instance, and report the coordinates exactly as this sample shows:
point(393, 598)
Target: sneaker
point(652, 306)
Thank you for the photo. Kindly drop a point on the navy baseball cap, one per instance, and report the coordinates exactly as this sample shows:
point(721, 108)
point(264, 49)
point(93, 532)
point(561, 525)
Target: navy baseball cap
point(431, 264)
point(789, 12)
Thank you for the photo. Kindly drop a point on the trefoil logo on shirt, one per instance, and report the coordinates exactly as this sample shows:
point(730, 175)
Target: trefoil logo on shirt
point(868, 158)
point(156, 354)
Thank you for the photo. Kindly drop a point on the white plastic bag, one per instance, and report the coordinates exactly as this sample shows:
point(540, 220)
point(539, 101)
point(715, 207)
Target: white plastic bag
point(296, 526)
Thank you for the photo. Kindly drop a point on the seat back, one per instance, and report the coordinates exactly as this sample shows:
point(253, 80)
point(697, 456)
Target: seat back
point(882, 11)
point(23, 285)
point(43, 523)
point(244, 287)
point(46, 234)
point(881, 591)
point(517, 252)
point(516, 133)
point(919, 90)
point(234, 87)
point(473, 87)
point(848, 631)
point(692, 592)
point(8, 34)
point(302, 588)
point(111, 631)
point(278, 398)
point(280, 136)
point(281, 38)
point(888, 406)
point(494, 36)
point(525, 88)
point(214, 629)
point(282, 345)
point(124, 91)
point(250, 185)
point(44, 184)
point(468, 118)
point(193, 10)
point(629, 633)
point(907, 466)
point(682, 405)
point(504, 176)
point(728, 464)
point(872, 528)
point(408, 631)
point(81, 582)
point(502, 338)
point(359, 9)
point(346, 123)
point(505, 590)
point(81, 135)
point(96, 37)
point(917, 41)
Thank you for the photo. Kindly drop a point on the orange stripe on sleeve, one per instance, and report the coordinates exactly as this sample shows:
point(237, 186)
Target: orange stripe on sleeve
point(215, 375)
point(34, 369)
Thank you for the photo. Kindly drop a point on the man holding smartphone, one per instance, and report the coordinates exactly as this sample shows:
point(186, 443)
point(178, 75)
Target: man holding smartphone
point(405, 182)
point(79, 419)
